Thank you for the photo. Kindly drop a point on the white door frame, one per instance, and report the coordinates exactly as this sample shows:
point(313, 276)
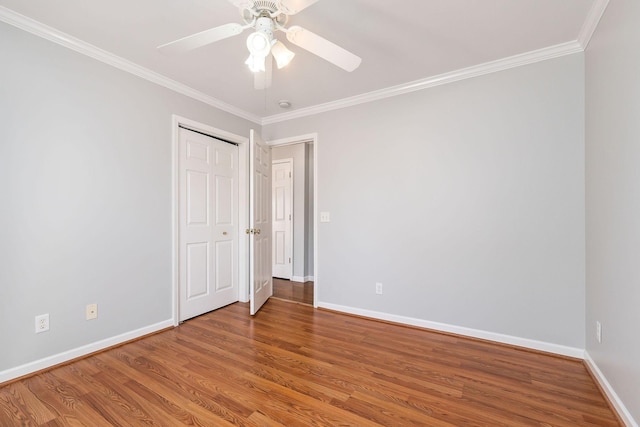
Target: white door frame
point(311, 138)
point(243, 201)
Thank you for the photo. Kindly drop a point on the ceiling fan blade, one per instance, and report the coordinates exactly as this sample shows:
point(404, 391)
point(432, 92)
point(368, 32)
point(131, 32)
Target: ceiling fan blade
point(262, 79)
point(323, 48)
point(201, 39)
point(291, 7)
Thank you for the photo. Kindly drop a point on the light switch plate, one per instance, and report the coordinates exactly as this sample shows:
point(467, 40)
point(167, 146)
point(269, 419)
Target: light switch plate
point(92, 311)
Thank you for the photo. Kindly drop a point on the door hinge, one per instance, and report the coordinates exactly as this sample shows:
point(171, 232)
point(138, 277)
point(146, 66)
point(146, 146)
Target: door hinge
point(289, 217)
point(289, 260)
point(289, 174)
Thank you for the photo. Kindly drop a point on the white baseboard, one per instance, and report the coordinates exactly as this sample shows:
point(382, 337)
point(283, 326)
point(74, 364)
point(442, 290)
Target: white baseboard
point(302, 279)
point(611, 394)
point(56, 359)
point(459, 330)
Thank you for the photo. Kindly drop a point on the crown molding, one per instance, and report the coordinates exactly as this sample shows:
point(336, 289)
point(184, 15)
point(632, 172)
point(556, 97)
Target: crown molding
point(37, 28)
point(34, 27)
point(441, 79)
point(591, 23)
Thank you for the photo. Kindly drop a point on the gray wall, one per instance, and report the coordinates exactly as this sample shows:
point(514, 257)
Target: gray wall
point(85, 190)
point(613, 202)
point(465, 200)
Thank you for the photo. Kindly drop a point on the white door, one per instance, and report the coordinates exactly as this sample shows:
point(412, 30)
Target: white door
point(260, 278)
point(282, 189)
point(208, 224)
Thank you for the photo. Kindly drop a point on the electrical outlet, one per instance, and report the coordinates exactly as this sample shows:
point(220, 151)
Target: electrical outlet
point(379, 288)
point(92, 311)
point(598, 331)
point(42, 323)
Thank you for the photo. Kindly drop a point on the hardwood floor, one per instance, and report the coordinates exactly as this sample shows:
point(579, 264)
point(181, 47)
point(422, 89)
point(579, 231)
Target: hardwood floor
point(293, 291)
point(292, 365)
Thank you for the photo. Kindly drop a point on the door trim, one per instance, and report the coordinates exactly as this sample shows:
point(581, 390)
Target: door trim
point(243, 201)
point(311, 138)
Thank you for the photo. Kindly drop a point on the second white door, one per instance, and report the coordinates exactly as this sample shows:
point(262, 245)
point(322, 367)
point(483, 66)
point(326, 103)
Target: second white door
point(282, 189)
point(208, 234)
point(260, 277)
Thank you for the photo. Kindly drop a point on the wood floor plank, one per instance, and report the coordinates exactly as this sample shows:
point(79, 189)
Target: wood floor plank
point(261, 420)
point(203, 406)
point(14, 407)
point(303, 407)
point(293, 365)
point(64, 399)
point(293, 291)
point(166, 407)
point(389, 413)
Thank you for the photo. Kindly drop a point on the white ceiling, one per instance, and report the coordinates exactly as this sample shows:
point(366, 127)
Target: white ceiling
point(399, 41)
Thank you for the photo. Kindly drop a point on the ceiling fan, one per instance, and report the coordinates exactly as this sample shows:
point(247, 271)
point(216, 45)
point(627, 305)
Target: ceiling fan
point(266, 17)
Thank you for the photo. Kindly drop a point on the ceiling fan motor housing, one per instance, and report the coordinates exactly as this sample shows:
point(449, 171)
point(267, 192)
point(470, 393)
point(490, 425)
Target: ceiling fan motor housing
point(264, 25)
point(264, 8)
point(265, 5)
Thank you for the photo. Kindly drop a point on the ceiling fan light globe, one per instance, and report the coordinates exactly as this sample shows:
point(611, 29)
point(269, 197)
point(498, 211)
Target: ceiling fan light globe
point(258, 44)
point(255, 63)
point(281, 54)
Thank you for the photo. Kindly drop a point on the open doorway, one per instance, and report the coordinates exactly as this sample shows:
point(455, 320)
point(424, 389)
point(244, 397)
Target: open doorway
point(293, 221)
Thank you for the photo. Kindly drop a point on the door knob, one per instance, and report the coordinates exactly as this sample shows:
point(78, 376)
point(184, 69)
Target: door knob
point(224, 233)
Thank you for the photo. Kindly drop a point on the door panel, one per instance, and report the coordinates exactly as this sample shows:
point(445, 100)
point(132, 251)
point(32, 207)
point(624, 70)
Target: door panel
point(260, 278)
point(197, 197)
point(197, 269)
point(208, 224)
point(224, 200)
point(224, 258)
